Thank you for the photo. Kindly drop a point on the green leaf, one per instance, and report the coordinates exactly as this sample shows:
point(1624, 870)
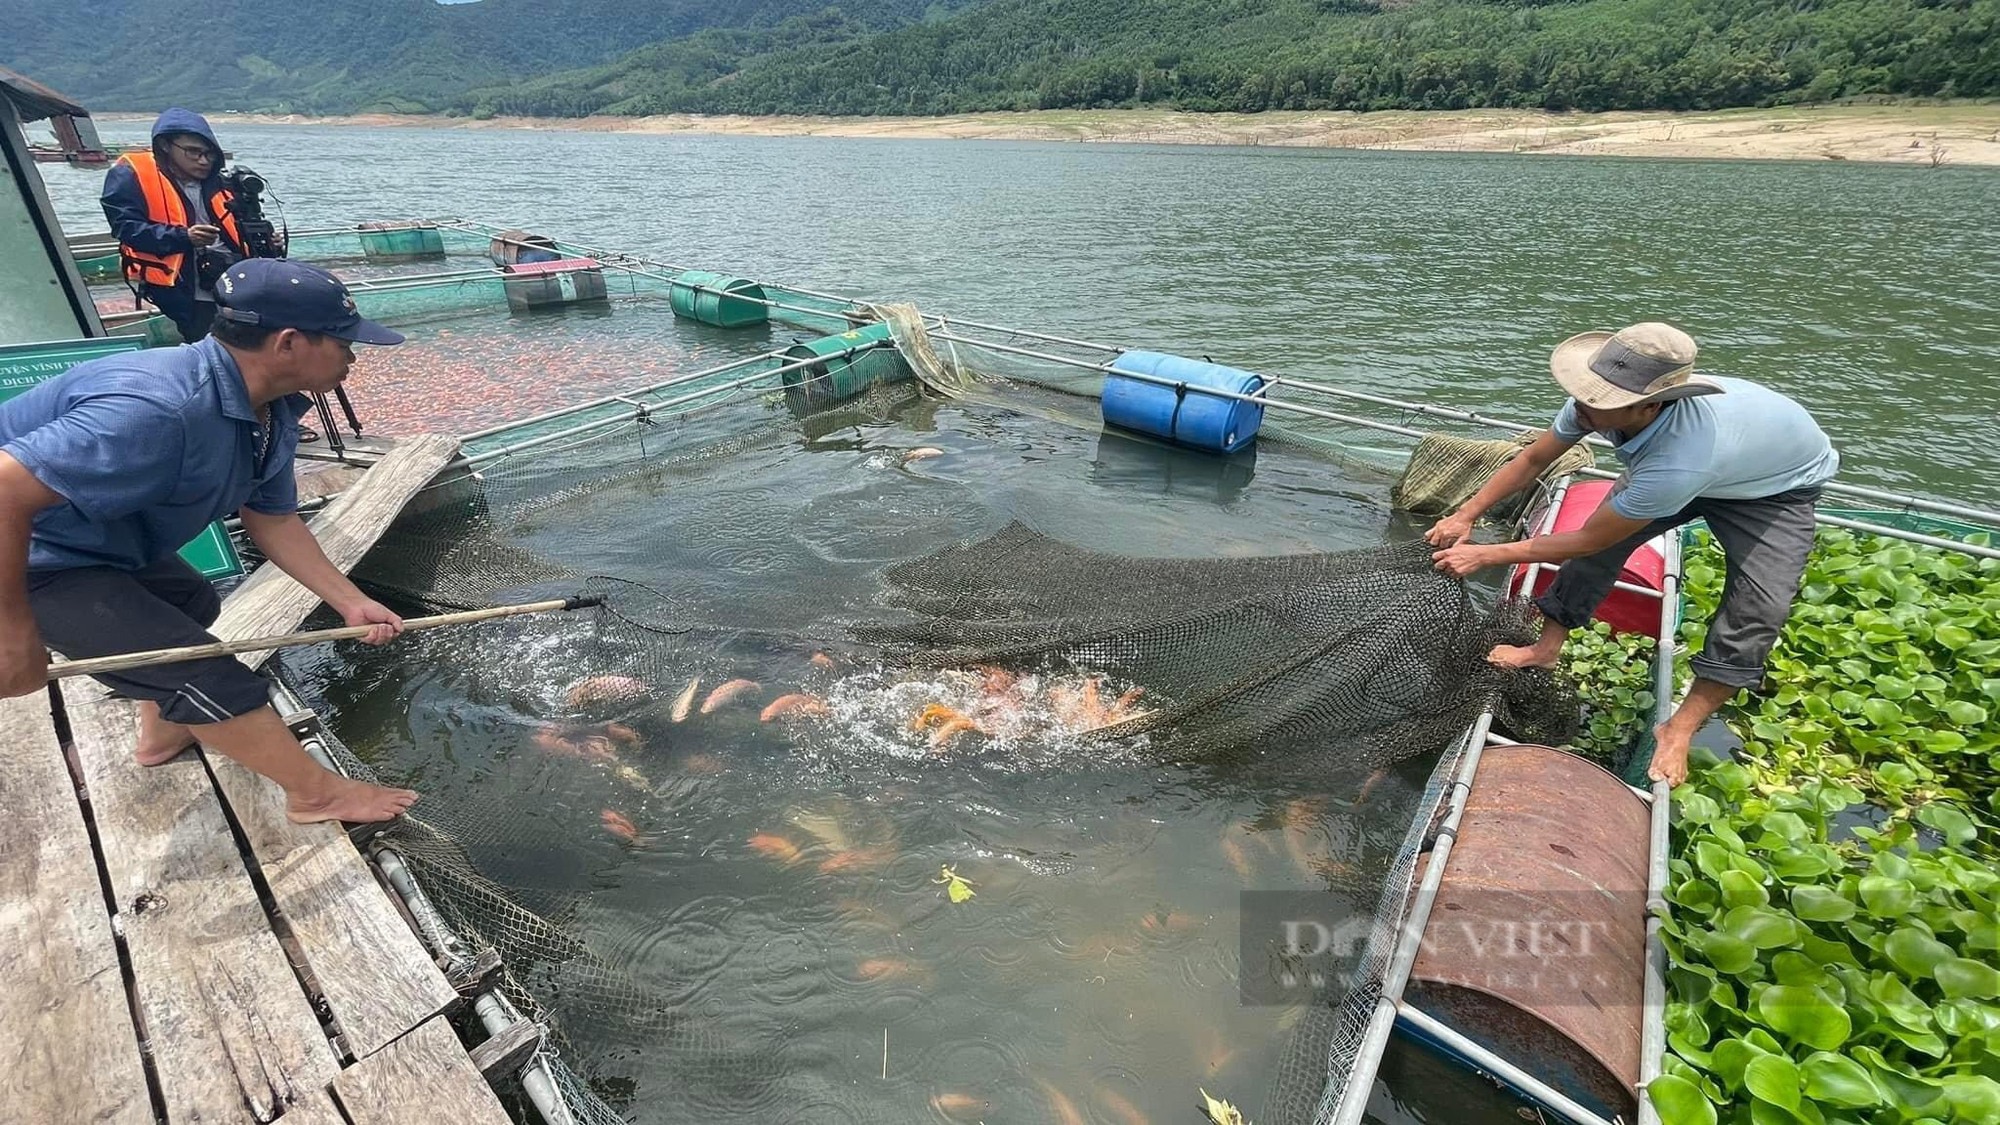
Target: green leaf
point(1679, 1101)
point(1739, 888)
point(1956, 826)
point(1775, 1079)
point(1838, 1081)
point(1727, 952)
point(1886, 897)
point(1893, 687)
point(1817, 904)
point(1965, 714)
point(1730, 1057)
point(1914, 951)
point(1882, 713)
point(1952, 636)
point(1973, 1098)
point(1962, 977)
point(1806, 1015)
point(1761, 927)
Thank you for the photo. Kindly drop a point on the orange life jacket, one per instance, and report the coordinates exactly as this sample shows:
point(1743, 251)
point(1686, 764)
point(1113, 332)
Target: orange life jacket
point(166, 204)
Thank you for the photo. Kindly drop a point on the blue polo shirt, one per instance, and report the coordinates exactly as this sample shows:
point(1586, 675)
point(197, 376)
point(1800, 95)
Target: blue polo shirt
point(1744, 444)
point(147, 449)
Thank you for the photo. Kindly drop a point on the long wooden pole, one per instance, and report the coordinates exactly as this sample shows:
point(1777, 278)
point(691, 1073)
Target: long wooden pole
point(122, 661)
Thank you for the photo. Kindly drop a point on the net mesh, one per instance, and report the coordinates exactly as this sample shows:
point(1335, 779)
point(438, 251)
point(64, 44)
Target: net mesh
point(1302, 663)
point(1446, 470)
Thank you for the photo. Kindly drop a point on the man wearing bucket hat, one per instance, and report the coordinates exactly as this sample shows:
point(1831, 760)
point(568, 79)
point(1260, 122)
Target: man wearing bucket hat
point(1741, 456)
point(107, 469)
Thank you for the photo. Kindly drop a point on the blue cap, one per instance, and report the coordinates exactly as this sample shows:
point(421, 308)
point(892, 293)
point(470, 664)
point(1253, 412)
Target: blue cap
point(276, 293)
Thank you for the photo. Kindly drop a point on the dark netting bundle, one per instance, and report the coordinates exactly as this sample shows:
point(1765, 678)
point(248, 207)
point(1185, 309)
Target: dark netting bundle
point(1373, 648)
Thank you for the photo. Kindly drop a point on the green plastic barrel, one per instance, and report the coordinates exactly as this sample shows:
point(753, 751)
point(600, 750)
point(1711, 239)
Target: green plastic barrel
point(849, 363)
point(397, 243)
point(707, 298)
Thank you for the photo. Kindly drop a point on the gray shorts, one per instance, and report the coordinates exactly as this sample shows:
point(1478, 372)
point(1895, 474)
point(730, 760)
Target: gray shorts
point(1765, 543)
point(102, 611)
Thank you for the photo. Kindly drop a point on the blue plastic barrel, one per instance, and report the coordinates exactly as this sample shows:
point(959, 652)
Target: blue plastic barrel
point(1178, 409)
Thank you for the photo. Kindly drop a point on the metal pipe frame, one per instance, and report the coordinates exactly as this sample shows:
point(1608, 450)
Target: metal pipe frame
point(1495, 1067)
point(1368, 1059)
point(1894, 499)
point(1652, 1023)
point(600, 423)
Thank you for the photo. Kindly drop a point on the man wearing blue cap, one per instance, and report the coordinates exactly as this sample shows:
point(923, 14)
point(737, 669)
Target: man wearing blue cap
point(108, 469)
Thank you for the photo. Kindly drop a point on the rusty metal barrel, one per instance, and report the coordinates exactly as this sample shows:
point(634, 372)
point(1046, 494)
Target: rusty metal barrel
point(1536, 946)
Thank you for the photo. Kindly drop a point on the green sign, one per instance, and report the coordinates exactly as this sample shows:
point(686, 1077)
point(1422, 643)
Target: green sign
point(24, 365)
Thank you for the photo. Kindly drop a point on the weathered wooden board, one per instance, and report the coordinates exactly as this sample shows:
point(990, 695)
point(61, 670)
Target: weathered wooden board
point(233, 1036)
point(68, 1050)
point(377, 979)
point(271, 602)
point(426, 1070)
point(316, 1108)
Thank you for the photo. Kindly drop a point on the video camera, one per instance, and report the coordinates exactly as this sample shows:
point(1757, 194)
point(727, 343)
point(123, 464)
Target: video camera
point(246, 190)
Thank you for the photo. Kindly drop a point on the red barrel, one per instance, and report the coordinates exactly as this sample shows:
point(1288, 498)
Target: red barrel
point(1625, 610)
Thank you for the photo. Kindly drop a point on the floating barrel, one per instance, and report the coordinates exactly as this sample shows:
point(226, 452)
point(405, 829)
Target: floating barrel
point(512, 246)
point(706, 298)
point(1624, 610)
point(1178, 409)
point(566, 281)
point(1536, 946)
point(401, 242)
point(849, 363)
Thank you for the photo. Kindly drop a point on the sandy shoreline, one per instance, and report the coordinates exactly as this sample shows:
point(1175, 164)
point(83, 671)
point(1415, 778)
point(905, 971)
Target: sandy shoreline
point(1958, 134)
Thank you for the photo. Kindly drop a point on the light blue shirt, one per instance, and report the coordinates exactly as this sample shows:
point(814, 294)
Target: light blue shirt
point(147, 449)
point(1744, 444)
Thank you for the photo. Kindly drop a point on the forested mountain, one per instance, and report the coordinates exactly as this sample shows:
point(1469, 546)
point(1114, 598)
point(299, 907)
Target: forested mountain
point(570, 57)
point(337, 56)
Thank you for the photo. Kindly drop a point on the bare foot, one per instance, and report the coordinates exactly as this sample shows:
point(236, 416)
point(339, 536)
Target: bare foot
point(160, 741)
point(355, 802)
point(159, 755)
point(1670, 756)
point(1524, 656)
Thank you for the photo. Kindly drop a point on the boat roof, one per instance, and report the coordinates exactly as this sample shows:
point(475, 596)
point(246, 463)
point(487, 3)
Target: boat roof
point(34, 101)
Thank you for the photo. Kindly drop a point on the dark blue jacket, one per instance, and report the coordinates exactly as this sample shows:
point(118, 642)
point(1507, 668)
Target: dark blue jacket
point(125, 205)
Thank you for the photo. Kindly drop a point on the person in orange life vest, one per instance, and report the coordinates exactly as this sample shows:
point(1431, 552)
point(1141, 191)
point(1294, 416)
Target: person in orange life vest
point(169, 211)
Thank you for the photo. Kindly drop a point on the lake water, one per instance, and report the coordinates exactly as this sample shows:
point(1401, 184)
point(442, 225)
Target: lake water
point(778, 891)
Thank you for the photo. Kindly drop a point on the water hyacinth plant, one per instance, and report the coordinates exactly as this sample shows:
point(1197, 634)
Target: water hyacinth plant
point(1886, 676)
point(1830, 977)
point(1830, 983)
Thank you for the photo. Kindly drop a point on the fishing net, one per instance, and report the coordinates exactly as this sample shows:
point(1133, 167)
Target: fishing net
point(1302, 664)
point(1446, 470)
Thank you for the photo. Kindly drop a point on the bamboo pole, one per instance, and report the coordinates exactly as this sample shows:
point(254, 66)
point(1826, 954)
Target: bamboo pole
point(122, 661)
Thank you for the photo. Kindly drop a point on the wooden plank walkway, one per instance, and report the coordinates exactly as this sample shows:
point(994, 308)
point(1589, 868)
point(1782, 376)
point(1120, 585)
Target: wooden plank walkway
point(173, 955)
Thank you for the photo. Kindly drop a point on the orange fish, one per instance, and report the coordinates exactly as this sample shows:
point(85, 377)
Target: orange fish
point(956, 1105)
point(1233, 852)
point(1117, 1106)
point(933, 714)
point(921, 453)
point(796, 703)
point(775, 847)
point(551, 740)
point(855, 859)
point(994, 681)
point(884, 968)
point(620, 826)
point(725, 693)
point(822, 661)
point(684, 702)
point(942, 737)
point(1061, 1107)
point(1169, 922)
point(622, 735)
point(598, 691)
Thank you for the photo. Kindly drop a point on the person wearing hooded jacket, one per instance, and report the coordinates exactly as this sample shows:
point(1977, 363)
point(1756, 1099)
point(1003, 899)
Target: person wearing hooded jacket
point(168, 208)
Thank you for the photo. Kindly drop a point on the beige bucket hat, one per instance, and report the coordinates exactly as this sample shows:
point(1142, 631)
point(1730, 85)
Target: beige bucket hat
point(1645, 363)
